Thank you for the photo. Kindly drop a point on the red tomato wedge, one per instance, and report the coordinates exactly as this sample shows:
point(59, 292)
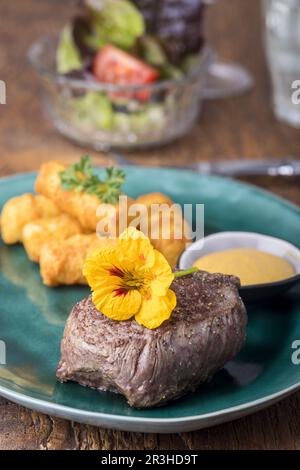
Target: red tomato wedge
point(113, 65)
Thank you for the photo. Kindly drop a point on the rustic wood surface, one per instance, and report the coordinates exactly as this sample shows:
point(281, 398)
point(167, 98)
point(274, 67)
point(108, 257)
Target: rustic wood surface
point(239, 127)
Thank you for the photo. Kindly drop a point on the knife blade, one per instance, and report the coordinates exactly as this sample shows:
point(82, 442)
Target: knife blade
point(270, 167)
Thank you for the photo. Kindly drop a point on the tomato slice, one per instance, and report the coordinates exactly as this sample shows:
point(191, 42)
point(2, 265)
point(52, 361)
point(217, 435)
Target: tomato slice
point(113, 65)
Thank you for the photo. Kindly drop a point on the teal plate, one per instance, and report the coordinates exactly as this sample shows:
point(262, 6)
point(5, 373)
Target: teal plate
point(32, 319)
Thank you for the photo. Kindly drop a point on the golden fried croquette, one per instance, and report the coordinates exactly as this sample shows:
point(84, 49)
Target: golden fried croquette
point(172, 246)
point(37, 232)
point(62, 262)
point(20, 210)
point(154, 198)
point(79, 205)
point(45, 207)
point(170, 243)
point(82, 206)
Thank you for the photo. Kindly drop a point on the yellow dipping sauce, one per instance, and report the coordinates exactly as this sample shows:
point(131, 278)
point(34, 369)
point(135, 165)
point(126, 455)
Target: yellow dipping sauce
point(250, 265)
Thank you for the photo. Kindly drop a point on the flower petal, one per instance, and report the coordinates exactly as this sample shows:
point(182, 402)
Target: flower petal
point(163, 276)
point(118, 304)
point(141, 251)
point(133, 233)
point(155, 310)
point(106, 265)
point(130, 279)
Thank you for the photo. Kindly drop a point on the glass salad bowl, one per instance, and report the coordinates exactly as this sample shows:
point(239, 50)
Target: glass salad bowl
point(105, 115)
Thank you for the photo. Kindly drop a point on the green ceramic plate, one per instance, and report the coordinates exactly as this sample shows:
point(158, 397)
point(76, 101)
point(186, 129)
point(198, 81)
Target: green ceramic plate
point(32, 319)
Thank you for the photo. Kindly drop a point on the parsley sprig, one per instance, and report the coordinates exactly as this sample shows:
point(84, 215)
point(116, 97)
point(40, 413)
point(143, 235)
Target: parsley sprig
point(80, 177)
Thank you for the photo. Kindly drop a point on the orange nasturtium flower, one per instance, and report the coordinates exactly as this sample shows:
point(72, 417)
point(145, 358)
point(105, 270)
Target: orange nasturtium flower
point(131, 279)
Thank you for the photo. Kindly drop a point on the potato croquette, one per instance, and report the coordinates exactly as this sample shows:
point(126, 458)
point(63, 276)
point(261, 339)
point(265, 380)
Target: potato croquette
point(62, 262)
point(171, 244)
point(37, 232)
point(20, 210)
point(45, 207)
point(82, 206)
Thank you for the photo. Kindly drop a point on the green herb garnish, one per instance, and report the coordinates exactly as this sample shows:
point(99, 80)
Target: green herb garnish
point(80, 177)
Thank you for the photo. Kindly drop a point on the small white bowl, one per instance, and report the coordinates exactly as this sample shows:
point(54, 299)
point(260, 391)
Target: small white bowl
point(228, 240)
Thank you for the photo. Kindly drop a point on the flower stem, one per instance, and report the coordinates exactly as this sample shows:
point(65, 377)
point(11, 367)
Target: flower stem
point(185, 272)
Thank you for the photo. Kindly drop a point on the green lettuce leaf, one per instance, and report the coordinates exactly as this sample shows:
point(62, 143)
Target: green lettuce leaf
point(94, 110)
point(152, 52)
point(152, 117)
point(116, 22)
point(67, 55)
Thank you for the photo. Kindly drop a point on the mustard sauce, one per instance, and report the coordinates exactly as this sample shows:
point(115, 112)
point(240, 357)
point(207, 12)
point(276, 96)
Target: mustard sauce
point(250, 265)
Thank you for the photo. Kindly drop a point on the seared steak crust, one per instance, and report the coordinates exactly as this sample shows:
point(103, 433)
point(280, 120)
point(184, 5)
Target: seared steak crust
point(150, 367)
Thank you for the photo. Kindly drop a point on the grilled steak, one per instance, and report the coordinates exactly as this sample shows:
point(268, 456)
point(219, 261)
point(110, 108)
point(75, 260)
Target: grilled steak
point(150, 367)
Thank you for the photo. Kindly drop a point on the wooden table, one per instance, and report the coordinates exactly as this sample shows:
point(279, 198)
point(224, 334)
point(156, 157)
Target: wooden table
point(241, 127)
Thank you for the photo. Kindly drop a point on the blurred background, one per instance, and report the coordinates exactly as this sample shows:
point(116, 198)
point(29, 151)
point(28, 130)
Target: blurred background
point(232, 128)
